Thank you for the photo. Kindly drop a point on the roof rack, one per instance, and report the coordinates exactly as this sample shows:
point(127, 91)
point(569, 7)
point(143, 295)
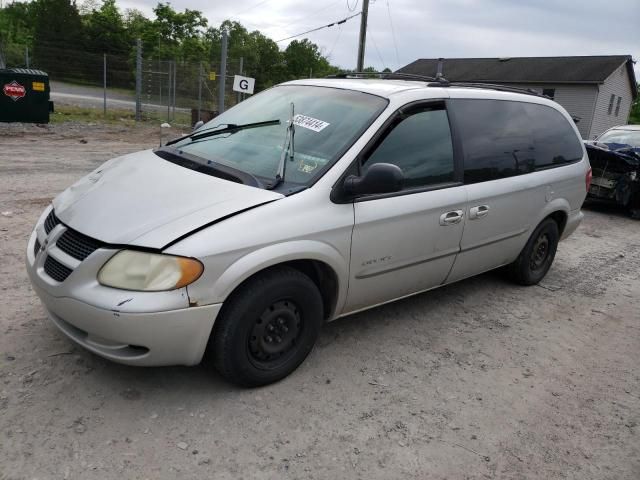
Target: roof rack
point(384, 76)
point(438, 81)
point(501, 88)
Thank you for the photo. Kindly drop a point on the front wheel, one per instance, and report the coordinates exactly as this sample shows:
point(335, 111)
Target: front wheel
point(267, 327)
point(536, 257)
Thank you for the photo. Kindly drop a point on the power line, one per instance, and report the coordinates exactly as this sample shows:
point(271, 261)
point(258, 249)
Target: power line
point(336, 41)
point(375, 45)
point(312, 14)
point(393, 35)
point(252, 7)
point(339, 22)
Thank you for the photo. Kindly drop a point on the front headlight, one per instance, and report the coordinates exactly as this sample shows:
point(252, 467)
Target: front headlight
point(151, 272)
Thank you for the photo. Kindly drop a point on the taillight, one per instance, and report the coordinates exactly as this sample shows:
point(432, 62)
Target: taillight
point(587, 179)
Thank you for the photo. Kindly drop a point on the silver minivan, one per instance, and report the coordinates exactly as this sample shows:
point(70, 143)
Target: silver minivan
point(305, 203)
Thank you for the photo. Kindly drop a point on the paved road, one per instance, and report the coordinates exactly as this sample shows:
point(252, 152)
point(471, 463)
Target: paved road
point(93, 97)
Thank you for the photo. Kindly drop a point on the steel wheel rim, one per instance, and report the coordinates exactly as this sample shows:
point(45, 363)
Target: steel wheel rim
point(275, 334)
point(540, 252)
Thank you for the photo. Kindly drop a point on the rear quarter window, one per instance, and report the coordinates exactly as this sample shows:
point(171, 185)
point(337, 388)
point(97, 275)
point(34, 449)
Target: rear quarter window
point(502, 138)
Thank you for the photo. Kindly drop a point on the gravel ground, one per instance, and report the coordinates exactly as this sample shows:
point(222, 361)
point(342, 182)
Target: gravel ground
point(481, 379)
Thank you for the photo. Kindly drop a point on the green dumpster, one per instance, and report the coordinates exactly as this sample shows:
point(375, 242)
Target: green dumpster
point(24, 95)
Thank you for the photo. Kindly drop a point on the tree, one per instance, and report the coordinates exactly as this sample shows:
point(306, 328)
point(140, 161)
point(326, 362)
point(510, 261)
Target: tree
point(58, 28)
point(179, 34)
point(69, 43)
point(106, 31)
point(16, 31)
point(303, 58)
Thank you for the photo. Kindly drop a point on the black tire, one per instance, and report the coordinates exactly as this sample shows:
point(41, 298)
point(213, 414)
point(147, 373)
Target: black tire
point(267, 327)
point(536, 257)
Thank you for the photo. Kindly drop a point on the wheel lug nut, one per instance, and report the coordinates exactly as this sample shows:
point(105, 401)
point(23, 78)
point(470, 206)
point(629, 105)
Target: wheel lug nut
point(270, 328)
point(285, 329)
point(269, 339)
point(281, 321)
point(278, 339)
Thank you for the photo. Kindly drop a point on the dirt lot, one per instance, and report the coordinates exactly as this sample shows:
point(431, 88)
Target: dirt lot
point(481, 379)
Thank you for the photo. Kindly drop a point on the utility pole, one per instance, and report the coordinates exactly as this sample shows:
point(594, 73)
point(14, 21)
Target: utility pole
point(26, 57)
point(363, 35)
point(223, 72)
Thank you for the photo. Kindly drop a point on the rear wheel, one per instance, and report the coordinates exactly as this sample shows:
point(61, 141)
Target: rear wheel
point(267, 327)
point(536, 257)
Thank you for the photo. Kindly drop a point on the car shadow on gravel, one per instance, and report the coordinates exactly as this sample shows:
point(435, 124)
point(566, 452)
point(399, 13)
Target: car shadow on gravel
point(606, 208)
point(362, 334)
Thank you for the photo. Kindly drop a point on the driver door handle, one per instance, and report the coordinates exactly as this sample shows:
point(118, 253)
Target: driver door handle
point(451, 218)
point(478, 212)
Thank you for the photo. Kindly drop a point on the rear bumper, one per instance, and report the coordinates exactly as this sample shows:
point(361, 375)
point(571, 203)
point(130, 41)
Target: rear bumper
point(573, 221)
point(176, 337)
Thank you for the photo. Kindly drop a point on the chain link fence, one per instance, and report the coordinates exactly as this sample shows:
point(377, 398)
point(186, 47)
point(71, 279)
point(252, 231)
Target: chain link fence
point(177, 88)
point(171, 90)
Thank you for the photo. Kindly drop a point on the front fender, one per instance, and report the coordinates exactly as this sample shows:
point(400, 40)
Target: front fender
point(272, 255)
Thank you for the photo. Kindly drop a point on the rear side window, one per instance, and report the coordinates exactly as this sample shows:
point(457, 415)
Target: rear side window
point(504, 138)
point(555, 142)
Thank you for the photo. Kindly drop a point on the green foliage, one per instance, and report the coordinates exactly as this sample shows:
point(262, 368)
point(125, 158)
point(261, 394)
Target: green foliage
point(16, 31)
point(57, 26)
point(105, 29)
point(69, 41)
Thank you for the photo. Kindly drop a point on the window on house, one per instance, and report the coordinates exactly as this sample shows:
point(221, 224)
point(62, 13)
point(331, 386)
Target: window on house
point(611, 100)
point(549, 92)
point(618, 105)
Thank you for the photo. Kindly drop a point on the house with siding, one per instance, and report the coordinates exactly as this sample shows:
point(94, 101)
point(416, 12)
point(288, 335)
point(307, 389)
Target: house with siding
point(597, 91)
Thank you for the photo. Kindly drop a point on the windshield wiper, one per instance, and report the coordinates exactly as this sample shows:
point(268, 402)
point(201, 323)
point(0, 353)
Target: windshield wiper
point(230, 128)
point(287, 150)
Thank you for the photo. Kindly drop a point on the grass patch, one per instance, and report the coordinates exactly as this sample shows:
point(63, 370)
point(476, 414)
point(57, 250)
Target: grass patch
point(114, 116)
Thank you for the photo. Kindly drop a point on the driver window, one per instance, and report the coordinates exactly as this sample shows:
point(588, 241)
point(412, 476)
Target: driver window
point(420, 144)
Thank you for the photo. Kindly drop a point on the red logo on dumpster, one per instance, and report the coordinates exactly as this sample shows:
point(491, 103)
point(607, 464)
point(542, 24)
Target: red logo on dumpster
point(14, 90)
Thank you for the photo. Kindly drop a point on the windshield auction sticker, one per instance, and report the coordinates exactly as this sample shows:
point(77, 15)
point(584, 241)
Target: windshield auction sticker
point(309, 123)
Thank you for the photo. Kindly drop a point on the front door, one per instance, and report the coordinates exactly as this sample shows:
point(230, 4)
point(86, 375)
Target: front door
point(407, 242)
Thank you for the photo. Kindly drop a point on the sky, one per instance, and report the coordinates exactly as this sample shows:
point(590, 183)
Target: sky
point(401, 31)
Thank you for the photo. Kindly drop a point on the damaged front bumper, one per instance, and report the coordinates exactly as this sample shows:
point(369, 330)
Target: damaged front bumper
point(135, 328)
point(616, 175)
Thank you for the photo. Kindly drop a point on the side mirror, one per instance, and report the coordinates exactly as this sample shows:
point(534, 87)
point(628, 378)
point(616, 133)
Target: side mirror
point(379, 178)
point(198, 124)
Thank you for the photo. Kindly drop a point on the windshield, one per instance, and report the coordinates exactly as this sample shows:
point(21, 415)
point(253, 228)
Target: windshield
point(327, 121)
point(623, 137)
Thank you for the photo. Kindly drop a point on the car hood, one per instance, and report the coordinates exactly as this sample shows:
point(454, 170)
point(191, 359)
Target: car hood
point(626, 148)
point(141, 199)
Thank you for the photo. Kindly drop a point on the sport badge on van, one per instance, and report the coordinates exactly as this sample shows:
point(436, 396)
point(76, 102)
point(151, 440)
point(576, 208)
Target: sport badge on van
point(14, 90)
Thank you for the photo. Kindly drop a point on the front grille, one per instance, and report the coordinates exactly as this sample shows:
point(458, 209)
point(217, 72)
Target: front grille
point(36, 247)
point(77, 245)
point(50, 222)
point(56, 270)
